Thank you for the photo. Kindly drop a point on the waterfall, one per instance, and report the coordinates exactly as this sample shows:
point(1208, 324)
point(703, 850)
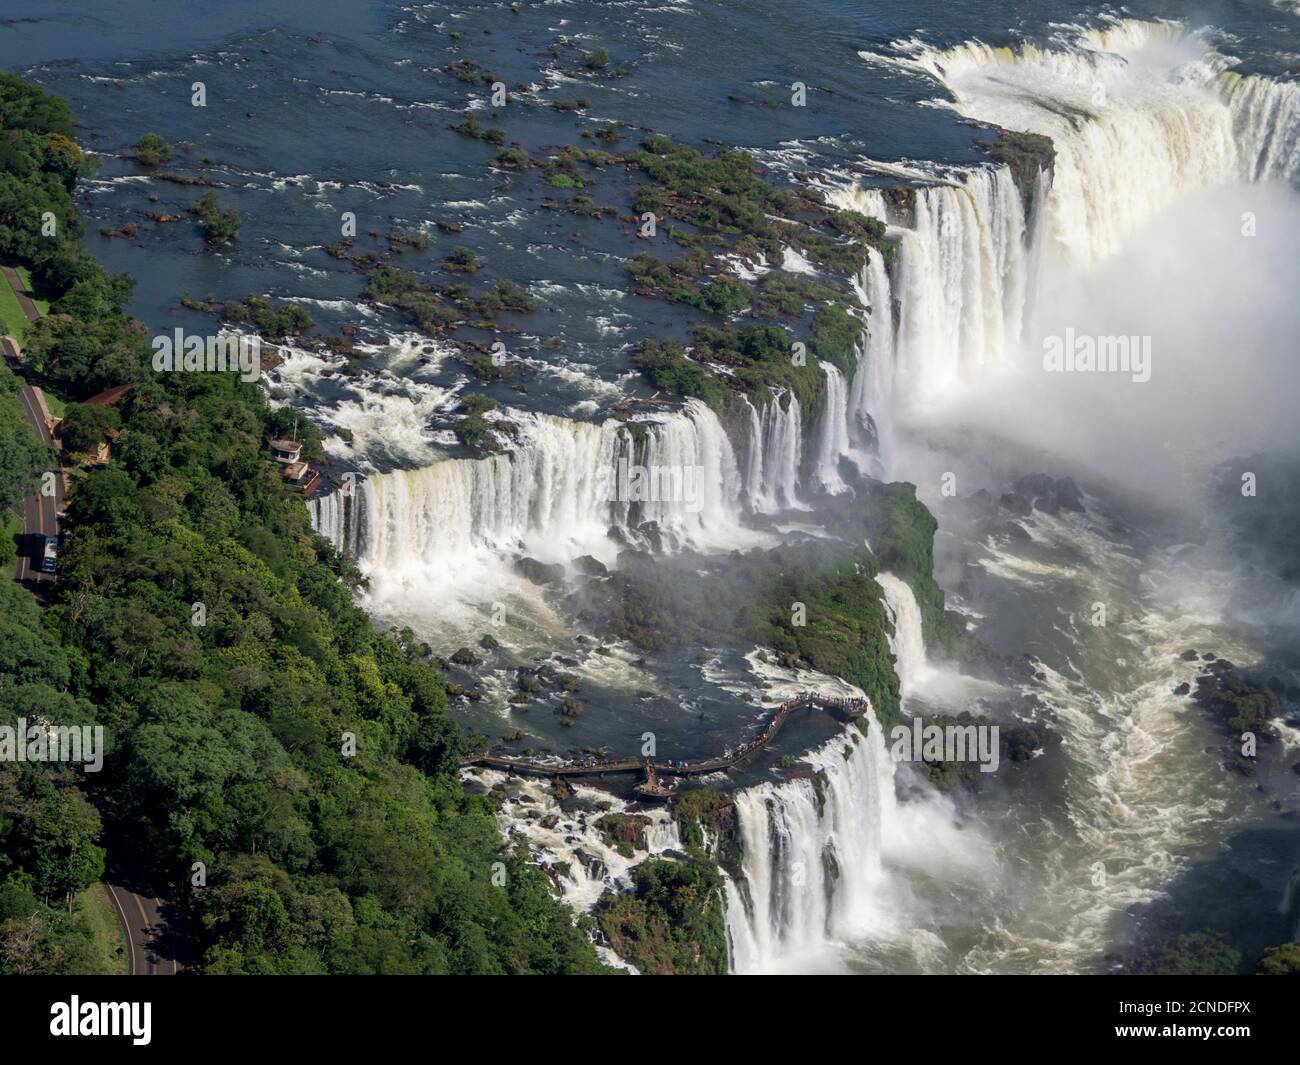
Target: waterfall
point(774, 454)
point(908, 641)
point(833, 431)
point(558, 494)
point(336, 517)
point(812, 855)
point(1140, 114)
point(963, 283)
point(548, 498)
point(872, 390)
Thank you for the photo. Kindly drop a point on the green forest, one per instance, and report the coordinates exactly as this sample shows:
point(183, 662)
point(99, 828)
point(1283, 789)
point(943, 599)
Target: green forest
point(299, 765)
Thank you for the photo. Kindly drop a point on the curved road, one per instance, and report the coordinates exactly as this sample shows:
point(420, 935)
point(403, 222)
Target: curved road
point(145, 928)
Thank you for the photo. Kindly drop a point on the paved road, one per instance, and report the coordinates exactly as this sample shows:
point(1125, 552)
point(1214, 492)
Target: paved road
point(145, 926)
point(40, 513)
point(20, 290)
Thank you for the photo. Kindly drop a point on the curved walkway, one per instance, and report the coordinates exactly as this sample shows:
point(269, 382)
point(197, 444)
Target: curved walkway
point(854, 708)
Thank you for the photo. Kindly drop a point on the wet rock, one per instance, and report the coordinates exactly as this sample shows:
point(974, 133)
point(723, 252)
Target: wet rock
point(538, 572)
point(591, 567)
point(1189, 656)
point(1039, 491)
point(1016, 533)
point(1183, 689)
point(489, 642)
point(465, 657)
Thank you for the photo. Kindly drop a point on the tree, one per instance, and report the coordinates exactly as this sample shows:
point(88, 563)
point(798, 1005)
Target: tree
point(84, 426)
point(1281, 961)
point(22, 455)
point(151, 151)
point(68, 859)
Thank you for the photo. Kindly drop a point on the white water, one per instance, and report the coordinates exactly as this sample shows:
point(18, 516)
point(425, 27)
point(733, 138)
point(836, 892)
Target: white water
point(554, 497)
point(907, 642)
point(833, 431)
point(775, 450)
point(810, 863)
point(1141, 116)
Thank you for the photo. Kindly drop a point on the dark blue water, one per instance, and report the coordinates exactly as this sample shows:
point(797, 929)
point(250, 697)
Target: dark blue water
point(314, 109)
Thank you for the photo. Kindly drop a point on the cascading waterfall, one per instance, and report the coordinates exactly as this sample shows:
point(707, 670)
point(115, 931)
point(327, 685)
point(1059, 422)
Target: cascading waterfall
point(833, 431)
point(337, 518)
point(812, 856)
point(1139, 114)
point(871, 397)
point(774, 453)
point(962, 281)
point(908, 640)
point(812, 850)
point(558, 494)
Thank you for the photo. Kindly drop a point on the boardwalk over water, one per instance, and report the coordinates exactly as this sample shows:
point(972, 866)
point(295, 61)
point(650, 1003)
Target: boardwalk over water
point(853, 708)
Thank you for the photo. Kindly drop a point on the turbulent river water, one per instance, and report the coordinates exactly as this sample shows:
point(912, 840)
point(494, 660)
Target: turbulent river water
point(1171, 213)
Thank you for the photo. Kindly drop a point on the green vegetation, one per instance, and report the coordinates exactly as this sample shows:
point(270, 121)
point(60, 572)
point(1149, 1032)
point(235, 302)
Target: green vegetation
point(84, 426)
point(272, 321)
point(1281, 961)
point(437, 310)
point(219, 227)
point(727, 206)
point(1026, 156)
point(901, 531)
point(12, 320)
point(151, 151)
point(306, 759)
point(750, 599)
point(704, 812)
point(1187, 954)
point(22, 455)
point(470, 127)
point(1238, 702)
point(624, 833)
point(463, 260)
point(674, 922)
point(474, 430)
point(105, 926)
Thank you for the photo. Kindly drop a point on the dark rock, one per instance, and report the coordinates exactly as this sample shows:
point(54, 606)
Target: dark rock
point(538, 572)
point(1183, 689)
point(592, 567)
point(465, 657)
point(1016, 532)
point(1189, 656)
point(489, 642)
point(1039, 491)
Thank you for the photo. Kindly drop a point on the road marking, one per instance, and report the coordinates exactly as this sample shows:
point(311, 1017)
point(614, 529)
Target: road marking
point(144, 929)
point(130, 945)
